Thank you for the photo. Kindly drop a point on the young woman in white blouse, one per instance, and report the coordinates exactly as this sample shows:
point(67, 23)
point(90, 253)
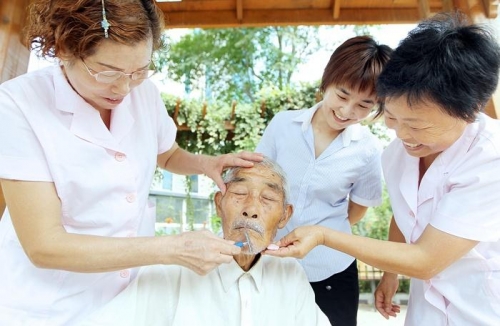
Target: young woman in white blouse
point(333, 167)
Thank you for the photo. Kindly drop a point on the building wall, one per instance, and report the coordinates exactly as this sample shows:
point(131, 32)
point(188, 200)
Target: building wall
point(175, 211)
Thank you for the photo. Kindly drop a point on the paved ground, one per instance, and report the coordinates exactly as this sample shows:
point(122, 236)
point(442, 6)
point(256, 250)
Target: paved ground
point(368, 316)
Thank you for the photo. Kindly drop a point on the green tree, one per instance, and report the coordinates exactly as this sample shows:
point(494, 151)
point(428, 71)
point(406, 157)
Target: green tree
point(233, 64)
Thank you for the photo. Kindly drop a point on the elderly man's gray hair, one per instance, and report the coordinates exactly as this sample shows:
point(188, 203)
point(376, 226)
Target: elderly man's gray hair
point(231, 174)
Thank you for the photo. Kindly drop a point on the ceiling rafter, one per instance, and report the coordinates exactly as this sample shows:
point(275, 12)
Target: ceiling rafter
point(336, 9)
point(491, 8)
point(424, 9)
point(239, 10)
point(238, 13)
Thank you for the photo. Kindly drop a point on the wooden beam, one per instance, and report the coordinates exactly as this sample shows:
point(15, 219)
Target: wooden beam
point(477, 13)
point(239, 10)
point(254, 18)
point(491, 8)
point(424, 9)
point(336, 9)
point(448, 5)
point(14, 56)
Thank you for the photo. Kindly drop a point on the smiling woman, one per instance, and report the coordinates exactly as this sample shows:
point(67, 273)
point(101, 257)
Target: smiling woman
point(333, 165)
point(442, 178)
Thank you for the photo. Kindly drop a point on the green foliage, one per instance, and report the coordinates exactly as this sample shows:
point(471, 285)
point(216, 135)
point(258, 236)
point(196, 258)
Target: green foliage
point(189, 204)
point(217, 132)
point(215, 224)
point(248, 127)
point(233, 64)
point(375, 224)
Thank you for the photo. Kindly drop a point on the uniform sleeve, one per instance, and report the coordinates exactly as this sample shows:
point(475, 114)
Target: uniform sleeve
point(470, 206)
point(367, 191)
point(167, 130)
point(21, 154)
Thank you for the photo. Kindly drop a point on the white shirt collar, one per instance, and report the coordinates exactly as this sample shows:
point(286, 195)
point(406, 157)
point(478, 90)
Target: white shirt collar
point(351, 133)
point(230, 274)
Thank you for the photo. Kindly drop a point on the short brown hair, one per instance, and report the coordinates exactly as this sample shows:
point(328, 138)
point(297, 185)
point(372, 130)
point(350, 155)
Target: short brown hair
point(356, 64)
point(74, 26)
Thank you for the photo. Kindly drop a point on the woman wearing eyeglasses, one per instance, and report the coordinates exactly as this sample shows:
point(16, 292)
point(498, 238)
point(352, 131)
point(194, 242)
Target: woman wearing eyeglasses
point(79, 146)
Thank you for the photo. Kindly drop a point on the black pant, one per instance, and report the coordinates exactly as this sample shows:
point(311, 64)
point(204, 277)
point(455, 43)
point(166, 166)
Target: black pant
point(338, 296)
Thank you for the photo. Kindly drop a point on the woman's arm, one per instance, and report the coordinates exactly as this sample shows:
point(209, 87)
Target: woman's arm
point(35, 210)
point(433, 252)
point(355, 212)
point(179, 161)
point(389, 283)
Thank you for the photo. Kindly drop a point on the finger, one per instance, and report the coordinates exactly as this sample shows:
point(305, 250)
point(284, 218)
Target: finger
point(391, 313)
point(381, 311)
point(282, 252)
point(285, 241)
point(252, 156)
point(242, 162)
point(228, 248)
point(224, 259)
point(388, 304)
point(380, 306)
point(220, 184)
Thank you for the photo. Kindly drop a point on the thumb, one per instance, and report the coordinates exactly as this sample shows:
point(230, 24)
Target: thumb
point(285, 241)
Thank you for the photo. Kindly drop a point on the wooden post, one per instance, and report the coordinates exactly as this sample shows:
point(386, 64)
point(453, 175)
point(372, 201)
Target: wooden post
point(2, 203)
point(483, 12)
point(14, 55)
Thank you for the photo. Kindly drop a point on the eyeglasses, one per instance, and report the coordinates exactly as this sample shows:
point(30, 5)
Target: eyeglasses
point(110, 76)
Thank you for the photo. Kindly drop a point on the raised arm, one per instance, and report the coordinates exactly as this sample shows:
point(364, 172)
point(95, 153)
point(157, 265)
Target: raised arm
point(178, 160)
point(355, 212)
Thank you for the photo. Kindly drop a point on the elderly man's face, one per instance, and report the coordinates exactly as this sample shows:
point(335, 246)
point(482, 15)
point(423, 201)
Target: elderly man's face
point(253, 203)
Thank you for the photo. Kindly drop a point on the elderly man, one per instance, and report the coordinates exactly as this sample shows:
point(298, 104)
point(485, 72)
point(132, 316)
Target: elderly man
point(251, 290)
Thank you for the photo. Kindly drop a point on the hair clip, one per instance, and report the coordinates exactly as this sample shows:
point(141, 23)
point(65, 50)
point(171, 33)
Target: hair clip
point(104, 23)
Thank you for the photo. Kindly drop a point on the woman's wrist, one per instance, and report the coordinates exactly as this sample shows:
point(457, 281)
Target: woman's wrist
point(388, 275)
point(322, 235)
point(168, 249)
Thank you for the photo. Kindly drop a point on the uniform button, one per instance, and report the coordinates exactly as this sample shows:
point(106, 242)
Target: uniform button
point(130, 198)
point(411, 214)
point(125, 273)
point(119, 157)
point(328, 287)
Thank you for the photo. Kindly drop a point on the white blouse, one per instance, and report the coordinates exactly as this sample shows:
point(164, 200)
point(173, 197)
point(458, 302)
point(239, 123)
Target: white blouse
point(102, 177)
point(459, 194)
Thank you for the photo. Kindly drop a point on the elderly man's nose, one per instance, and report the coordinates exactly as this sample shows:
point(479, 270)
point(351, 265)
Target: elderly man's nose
point(248, 215)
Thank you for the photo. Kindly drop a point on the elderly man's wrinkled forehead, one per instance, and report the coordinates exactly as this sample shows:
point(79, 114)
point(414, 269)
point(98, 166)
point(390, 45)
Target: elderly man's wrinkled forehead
point(268, 178)
point(275, 176)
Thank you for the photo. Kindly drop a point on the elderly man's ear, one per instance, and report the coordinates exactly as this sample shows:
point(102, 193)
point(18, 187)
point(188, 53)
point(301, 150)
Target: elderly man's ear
point(217, 200)
point(286, 216)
